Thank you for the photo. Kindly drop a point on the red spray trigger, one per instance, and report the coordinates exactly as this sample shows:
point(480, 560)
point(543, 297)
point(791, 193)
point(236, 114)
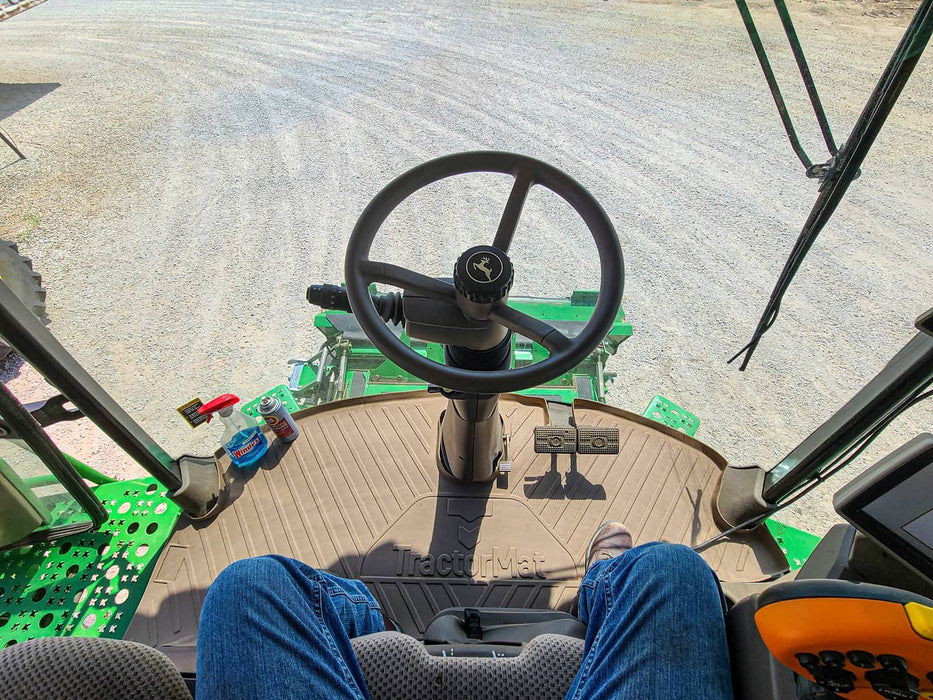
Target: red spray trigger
point(221, 402)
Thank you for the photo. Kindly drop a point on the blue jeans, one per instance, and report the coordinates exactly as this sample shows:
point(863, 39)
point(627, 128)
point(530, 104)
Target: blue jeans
point(274, 627)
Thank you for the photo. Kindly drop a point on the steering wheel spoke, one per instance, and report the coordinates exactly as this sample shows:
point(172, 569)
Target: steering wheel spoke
point(535, 329)
point(410, 281)
point(524, 179)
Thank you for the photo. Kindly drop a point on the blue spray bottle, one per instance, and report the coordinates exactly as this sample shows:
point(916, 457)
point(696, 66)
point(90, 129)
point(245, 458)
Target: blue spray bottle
point(243, 439)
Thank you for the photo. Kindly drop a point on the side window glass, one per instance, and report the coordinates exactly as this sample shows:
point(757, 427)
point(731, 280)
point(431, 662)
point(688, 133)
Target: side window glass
point(36, 500)
point(21, 468)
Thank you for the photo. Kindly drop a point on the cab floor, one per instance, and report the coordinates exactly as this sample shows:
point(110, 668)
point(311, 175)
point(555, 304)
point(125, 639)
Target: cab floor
point(359, 494)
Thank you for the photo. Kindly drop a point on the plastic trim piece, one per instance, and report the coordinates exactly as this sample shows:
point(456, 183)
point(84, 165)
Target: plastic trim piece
point(739, 498)
point(921, 619)
point(200, 492)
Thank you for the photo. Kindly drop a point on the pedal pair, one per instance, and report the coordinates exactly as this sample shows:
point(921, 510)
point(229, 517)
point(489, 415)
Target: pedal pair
point(576, 439)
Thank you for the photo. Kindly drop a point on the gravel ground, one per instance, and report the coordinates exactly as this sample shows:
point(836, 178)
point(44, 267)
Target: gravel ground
point(194, 165)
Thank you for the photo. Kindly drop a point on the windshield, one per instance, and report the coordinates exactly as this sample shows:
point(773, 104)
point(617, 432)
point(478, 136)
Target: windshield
point(191, 169)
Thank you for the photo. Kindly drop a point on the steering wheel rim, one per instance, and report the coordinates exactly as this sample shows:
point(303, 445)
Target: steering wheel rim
point(565, 354)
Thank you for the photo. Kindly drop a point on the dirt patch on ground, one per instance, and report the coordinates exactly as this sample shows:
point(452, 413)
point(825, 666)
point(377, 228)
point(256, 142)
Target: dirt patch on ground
point(888, 9)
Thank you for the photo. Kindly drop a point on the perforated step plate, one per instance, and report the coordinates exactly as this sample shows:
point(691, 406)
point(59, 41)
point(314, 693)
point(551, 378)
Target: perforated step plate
point(89, 584)
point(359, 494)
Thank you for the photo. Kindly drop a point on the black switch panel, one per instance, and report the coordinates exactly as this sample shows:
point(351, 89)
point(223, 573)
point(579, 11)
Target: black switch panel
point(892, 680)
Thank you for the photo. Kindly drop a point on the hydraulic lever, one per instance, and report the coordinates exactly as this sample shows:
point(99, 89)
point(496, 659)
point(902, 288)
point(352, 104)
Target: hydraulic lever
point(331, 296)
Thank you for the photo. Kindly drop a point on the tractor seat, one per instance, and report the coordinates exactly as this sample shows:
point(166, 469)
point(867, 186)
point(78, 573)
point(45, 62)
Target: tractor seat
point(394, 665)
point(476, 653)
point(60, 668)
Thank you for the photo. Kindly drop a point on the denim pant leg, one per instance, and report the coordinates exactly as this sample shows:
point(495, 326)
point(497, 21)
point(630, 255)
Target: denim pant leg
point(272, 627)
point(655, 628)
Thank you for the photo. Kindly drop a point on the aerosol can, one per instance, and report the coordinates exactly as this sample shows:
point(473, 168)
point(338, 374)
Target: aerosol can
point(278, 418)
point(243, 439)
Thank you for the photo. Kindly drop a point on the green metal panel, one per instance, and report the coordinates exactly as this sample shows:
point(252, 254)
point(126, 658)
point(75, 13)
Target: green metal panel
point(797, 545)
point(87, 585)
point(84, 471)
point(281, 392)
point(670, 414)
point(552, 393)
point(342, 359)
point(377, 389)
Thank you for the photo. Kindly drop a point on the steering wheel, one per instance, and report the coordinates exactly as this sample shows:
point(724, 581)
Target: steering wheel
point(564, 353)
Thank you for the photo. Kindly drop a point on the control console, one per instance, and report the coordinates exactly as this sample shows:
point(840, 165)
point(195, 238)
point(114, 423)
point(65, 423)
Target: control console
point(854, 640)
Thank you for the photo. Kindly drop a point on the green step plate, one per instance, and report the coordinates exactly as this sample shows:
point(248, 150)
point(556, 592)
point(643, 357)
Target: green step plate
point(670, 414)
point(281, 392)
point(797, 545)
point(89, 584)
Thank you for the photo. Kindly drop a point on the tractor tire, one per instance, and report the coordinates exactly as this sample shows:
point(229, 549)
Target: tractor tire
point(17, 273)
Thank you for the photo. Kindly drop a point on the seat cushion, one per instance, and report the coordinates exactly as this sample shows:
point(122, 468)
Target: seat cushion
point(398, 667)
point(72, 668)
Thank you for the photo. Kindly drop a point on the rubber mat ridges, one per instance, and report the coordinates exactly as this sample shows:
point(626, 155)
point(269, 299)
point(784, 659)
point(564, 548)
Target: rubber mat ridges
point(797, 545)
point(359, 494)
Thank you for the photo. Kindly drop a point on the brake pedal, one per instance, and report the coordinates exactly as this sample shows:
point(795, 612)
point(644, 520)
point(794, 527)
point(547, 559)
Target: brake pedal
point(597, 441)
point(560, 439)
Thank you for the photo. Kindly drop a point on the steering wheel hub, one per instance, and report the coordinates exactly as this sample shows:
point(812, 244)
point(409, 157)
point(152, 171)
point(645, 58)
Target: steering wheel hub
point(483, 274)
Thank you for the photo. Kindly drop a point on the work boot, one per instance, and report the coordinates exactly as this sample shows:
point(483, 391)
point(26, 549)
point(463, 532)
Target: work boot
point(610, 540)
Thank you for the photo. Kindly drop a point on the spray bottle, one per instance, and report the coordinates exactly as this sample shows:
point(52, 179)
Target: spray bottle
point(243, 439)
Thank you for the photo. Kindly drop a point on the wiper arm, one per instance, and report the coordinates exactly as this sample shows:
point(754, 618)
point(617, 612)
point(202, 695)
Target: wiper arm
point(848, 161)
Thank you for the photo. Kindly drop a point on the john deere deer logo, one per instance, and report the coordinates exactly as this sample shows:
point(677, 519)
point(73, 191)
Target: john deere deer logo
point(483, 265)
